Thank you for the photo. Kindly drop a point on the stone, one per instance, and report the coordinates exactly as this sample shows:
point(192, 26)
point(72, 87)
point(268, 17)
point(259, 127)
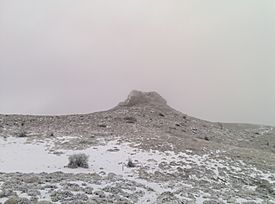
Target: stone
point(12, 200)
point(100, 194)
point(44, 202)
point(88, 190)
point(23, 201)
point(167, 198)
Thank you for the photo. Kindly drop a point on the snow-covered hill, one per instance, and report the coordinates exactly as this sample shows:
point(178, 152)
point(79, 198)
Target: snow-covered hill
point(177, 158)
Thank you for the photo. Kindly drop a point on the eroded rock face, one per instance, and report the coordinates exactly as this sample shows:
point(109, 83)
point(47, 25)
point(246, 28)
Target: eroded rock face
point(139, 97)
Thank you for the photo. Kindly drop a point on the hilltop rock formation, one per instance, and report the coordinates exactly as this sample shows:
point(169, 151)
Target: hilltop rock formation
point(139, 98)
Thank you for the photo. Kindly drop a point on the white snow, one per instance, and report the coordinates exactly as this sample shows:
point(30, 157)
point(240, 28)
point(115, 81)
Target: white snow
point(18, 156)
point(242, 200)
point(270, 177)
point(201, 198)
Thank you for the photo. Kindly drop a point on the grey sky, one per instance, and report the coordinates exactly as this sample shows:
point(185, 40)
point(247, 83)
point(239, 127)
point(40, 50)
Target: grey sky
point(211, 59)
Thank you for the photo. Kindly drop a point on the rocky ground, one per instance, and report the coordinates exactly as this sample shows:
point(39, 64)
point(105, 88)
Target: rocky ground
point(177, 158)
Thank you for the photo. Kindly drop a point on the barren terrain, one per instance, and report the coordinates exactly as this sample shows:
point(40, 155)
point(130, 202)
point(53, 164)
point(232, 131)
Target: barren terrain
point(177, 159)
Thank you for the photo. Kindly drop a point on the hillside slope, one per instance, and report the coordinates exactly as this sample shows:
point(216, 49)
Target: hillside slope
point(179, 159)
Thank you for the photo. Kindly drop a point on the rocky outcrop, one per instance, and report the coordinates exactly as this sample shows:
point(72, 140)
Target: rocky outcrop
point(139, 97)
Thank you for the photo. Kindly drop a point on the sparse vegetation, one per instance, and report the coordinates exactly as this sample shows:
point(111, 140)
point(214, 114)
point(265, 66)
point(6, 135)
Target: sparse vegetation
point(220, 125)
point(22, 134)
point(130, 164)
point(130, 120)
point(161, 114)
point(102, 125)
point(78, 160)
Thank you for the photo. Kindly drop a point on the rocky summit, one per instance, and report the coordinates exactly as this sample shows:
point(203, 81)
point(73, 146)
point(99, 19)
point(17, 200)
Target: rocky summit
point(139, 98)
point(141, 151)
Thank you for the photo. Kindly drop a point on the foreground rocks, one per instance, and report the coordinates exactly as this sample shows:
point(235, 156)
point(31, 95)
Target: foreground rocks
point(163, 186)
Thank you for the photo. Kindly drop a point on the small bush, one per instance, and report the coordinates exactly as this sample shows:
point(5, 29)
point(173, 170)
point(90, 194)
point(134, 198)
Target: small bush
point(206, 138)
point(22, 134)
point(78, 160)
point(130, 120)
point(130, 164)
point(102, 125)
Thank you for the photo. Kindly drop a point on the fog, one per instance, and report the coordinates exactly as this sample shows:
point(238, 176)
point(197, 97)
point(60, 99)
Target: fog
point(210, 59)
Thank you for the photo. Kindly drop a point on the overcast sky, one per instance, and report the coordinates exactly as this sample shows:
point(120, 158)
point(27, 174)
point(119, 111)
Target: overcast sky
point(211, 59)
